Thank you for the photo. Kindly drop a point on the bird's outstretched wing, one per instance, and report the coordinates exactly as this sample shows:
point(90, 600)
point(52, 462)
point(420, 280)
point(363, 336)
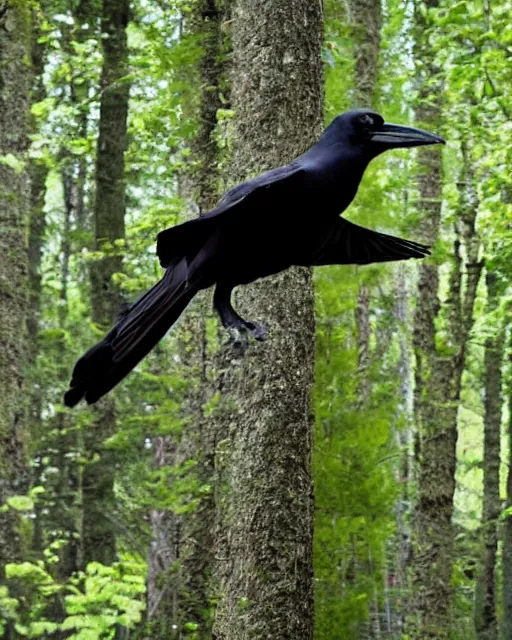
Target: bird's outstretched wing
point(188, 237)
point(343, 242)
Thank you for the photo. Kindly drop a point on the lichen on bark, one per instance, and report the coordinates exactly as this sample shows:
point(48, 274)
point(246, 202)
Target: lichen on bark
point(109, 231)
point(15, 79)
point(264, 503)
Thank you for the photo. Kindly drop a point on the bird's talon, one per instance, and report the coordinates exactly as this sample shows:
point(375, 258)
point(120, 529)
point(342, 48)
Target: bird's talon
point(238, 334)
point(258, 331)
point(238, 337)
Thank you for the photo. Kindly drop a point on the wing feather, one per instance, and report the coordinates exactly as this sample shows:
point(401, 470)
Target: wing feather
point(343, 242)
point(185, 239)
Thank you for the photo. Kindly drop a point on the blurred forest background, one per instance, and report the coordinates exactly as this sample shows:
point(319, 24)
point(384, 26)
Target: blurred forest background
point(181, 505)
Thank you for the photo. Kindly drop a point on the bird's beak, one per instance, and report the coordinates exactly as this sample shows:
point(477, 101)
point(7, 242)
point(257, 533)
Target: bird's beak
point(394, 135)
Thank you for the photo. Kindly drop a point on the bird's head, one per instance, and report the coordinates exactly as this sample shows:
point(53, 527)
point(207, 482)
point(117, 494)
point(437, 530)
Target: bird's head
point(367, 129)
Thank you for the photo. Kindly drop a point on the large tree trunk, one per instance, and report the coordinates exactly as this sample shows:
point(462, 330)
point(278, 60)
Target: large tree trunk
point(265, 508)
point(109, 212)
point(486, 623)
point(15, 79)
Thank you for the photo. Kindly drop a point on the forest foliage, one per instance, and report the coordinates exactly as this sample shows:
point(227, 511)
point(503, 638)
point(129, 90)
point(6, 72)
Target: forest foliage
point(368, 447)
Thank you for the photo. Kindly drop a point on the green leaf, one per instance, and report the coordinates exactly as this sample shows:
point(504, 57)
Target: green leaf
point(10, 160)
point(20, 503)
point(41, 628)
point(76, 622)
point(21, 629)
point(36, 491)
point(506, 513)
point(191, 626)
point(36, 573)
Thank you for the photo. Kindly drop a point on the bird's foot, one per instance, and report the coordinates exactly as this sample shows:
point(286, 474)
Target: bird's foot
point(238, 338)
point(257, 330)
point(238, 333)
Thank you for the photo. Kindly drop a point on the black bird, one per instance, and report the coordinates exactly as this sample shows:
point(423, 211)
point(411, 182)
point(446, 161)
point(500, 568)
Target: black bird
point(288, 216)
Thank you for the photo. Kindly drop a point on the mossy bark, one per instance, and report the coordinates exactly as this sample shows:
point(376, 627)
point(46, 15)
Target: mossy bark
point(506, 528)
point(433, 532)
point(38, 173)
point(485, 610)
point(507, 534)
point(366, 19)
point(15, 79)
point(109, 227)
point(265, 508)
point(440, 359)
point(198, 442)
point(73, 171)
point(180, 555)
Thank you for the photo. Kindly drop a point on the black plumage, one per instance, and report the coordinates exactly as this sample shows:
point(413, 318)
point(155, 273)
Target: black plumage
point(285, 217)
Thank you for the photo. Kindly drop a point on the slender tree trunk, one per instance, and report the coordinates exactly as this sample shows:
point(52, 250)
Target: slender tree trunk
point(38, 173)
point(506, 629)
point(199, 443)
point(438, 382)
point(366, 21)
point(62, 509)
point(84, 16)
point(64, 512)
point(109, 212)
point(65, 246)
point(363, 343)
point(434, 538)
point(183, 598)
point(265, 509)
point(15, 80)
point(163, 614)
point(486, 623)
point(402, 540)
point(507, 532)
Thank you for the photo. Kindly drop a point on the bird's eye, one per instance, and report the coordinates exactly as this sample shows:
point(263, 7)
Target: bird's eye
point(366, 120)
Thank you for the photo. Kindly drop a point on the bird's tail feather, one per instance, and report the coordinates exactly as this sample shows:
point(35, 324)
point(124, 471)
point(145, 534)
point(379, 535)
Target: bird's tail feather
point(134, 335)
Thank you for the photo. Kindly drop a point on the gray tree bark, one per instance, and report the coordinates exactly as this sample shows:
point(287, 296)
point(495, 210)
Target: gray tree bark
point(109, 211)
point(38, 173)
point(432, 562)
point(181, 596)
point(507, 523)
point(265, 508)
point(15, 80)
point(507, 539)
point(439, 367)
point(366, 21)
point(486, 623)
